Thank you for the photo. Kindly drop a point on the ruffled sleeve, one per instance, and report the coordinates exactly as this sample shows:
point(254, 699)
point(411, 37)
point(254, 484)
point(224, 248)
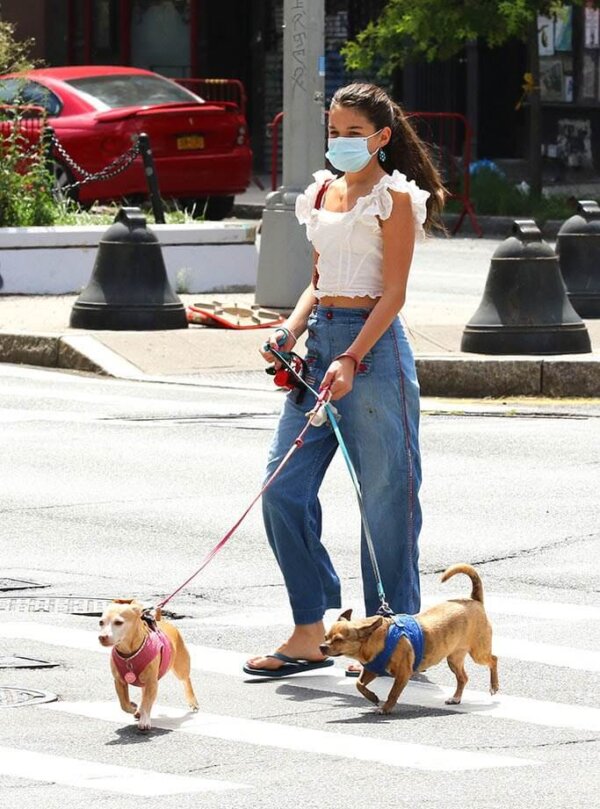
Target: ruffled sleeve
point(305, 202)
point(379, 202)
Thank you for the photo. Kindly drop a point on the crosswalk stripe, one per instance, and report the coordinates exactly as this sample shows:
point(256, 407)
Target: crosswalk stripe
point(288, 737)
point(494, 604)
point(103, 777)
point(229, 663)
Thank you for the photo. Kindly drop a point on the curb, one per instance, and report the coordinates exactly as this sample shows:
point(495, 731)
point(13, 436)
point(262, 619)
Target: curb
point(461, 376)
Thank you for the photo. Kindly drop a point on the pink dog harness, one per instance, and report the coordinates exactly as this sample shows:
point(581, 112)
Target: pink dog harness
point(130, 667)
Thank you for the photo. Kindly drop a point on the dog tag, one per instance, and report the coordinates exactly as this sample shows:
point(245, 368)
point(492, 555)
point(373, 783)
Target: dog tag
point(130, 677)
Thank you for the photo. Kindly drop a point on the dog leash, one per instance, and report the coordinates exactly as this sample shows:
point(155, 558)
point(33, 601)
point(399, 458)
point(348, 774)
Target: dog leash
point(322, 400)
point(384, 608)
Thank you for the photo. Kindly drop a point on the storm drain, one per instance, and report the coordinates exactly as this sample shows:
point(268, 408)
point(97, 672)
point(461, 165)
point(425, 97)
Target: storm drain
point(68, 605)
point(19, 584)
point(19, 662)
point(11, 697)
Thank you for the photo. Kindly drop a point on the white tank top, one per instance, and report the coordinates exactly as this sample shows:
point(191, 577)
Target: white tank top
point(350, 243)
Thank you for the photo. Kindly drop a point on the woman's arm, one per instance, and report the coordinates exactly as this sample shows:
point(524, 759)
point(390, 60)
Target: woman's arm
point(398, 233)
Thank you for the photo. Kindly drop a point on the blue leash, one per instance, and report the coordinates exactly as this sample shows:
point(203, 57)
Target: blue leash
point(384, 609)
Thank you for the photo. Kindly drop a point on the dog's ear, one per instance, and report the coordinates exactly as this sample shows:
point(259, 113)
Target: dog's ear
point(346, 615)
point(370, 627)
point(123, 600)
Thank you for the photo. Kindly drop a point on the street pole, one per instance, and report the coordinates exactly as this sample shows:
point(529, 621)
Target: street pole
point(285, 261)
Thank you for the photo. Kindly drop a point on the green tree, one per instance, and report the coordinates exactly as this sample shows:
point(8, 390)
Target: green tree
point(438, 29)
point(14, 55)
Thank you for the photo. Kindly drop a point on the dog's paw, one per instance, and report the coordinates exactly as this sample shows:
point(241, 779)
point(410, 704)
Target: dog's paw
point(194, 707)
point(384, 710)
point(452, 701)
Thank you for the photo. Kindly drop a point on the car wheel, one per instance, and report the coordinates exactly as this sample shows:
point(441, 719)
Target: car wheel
point(62, 178)
point(219, 207)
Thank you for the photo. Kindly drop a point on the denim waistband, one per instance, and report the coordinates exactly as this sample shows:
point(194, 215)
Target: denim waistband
point(340, 314)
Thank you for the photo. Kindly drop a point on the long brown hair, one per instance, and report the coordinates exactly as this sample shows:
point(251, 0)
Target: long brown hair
point(405, 151)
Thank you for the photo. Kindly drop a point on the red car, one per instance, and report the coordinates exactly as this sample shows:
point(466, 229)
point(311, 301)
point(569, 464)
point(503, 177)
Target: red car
point(201, 149)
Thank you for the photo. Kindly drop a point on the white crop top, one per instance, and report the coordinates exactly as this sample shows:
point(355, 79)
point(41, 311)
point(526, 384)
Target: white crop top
point(350, 243)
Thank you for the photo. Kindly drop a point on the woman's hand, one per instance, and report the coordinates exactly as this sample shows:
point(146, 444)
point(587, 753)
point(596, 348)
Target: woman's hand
point(282, 339)
point(339, 377)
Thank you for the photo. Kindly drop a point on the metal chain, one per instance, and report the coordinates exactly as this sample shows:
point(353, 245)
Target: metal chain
point(117, 166)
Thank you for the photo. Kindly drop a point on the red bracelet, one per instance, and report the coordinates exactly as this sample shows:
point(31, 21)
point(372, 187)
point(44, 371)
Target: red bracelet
point(352, 356)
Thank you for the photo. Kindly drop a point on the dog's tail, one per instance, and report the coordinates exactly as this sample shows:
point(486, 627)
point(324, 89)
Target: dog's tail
point(477, 590)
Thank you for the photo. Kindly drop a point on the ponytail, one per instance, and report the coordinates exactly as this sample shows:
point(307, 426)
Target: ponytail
point(407, 153)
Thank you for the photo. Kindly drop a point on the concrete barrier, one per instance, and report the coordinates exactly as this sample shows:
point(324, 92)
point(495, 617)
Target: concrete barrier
point(200, 257)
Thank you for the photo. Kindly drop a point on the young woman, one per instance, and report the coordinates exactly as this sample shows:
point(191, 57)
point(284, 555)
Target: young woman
point(362, 225)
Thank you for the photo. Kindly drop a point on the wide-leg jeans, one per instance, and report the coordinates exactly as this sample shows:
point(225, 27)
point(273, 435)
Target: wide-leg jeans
point(380, 427)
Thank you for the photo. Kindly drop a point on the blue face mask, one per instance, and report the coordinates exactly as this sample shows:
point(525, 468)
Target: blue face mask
point(349, 154)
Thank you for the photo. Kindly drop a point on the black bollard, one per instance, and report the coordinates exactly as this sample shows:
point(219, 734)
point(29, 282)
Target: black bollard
point(578, 250)
point(129, 288)
point(525, 309)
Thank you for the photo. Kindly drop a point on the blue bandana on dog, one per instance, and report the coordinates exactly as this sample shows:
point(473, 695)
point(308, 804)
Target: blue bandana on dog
point(403, 625)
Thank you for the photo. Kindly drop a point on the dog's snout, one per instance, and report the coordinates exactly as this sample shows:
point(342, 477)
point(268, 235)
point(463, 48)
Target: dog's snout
point(324, 648)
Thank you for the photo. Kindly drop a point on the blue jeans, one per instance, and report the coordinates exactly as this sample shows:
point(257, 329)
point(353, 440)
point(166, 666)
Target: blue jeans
point(380, 425)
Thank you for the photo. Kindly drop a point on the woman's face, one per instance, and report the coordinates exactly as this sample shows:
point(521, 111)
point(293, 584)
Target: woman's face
point(348, 122)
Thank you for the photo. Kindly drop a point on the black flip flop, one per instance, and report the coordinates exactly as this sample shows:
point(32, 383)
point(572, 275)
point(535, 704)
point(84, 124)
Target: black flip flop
point(291, 665)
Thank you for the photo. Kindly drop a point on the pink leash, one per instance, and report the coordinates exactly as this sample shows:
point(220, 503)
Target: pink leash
point(323, 397)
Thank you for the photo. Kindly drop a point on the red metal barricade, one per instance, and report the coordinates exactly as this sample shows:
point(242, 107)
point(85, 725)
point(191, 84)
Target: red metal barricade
point(448, 136)
point(231, 90)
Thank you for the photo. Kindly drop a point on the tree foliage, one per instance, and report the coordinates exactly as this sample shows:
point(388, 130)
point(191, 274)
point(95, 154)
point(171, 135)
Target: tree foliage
point(438, 29)
point(14, 54)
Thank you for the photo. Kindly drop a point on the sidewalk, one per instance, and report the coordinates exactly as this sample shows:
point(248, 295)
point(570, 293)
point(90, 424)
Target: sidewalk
point(34, 331)
point(445, 287)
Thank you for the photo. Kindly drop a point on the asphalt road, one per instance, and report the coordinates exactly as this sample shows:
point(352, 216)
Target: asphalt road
point(113, 489)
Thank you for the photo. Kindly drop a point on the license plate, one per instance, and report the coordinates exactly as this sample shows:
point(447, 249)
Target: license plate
point(190, 142)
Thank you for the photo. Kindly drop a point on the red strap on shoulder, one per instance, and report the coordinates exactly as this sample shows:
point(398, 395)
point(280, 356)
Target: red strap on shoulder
point(321, 193)
point(318, 204)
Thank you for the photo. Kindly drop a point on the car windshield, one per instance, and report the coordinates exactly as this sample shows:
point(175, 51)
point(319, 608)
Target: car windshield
point(123, 90)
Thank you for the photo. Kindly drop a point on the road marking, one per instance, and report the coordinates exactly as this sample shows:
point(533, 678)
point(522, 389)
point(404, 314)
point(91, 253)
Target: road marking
point(495, 604)
point(305, 740)
point(429, 695)
point(103, 777)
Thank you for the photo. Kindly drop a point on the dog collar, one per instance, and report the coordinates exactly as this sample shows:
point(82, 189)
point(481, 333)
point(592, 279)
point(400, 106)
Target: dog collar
point(130, 668)
point(401, 626)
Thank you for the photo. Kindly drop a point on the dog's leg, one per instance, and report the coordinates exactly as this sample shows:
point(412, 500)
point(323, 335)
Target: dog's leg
point(363, 681)
point(456, 662)
point(149, 692)
point(491, 661)
point(122, 690)
point(400, 681)
point(181, 668)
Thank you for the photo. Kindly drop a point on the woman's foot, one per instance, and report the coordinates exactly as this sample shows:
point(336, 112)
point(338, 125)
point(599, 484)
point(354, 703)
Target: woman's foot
point(303, 644)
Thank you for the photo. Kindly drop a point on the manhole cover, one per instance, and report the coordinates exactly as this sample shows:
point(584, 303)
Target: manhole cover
point(19, 584)
point(18, 662)
point(72, 605)
point(11, 697)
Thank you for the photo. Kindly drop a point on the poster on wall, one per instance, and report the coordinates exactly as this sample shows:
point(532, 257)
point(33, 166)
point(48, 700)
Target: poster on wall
point(574, 141)
point(591, 36)
point(551, 80)
point(545, 35)
point(563, 29)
